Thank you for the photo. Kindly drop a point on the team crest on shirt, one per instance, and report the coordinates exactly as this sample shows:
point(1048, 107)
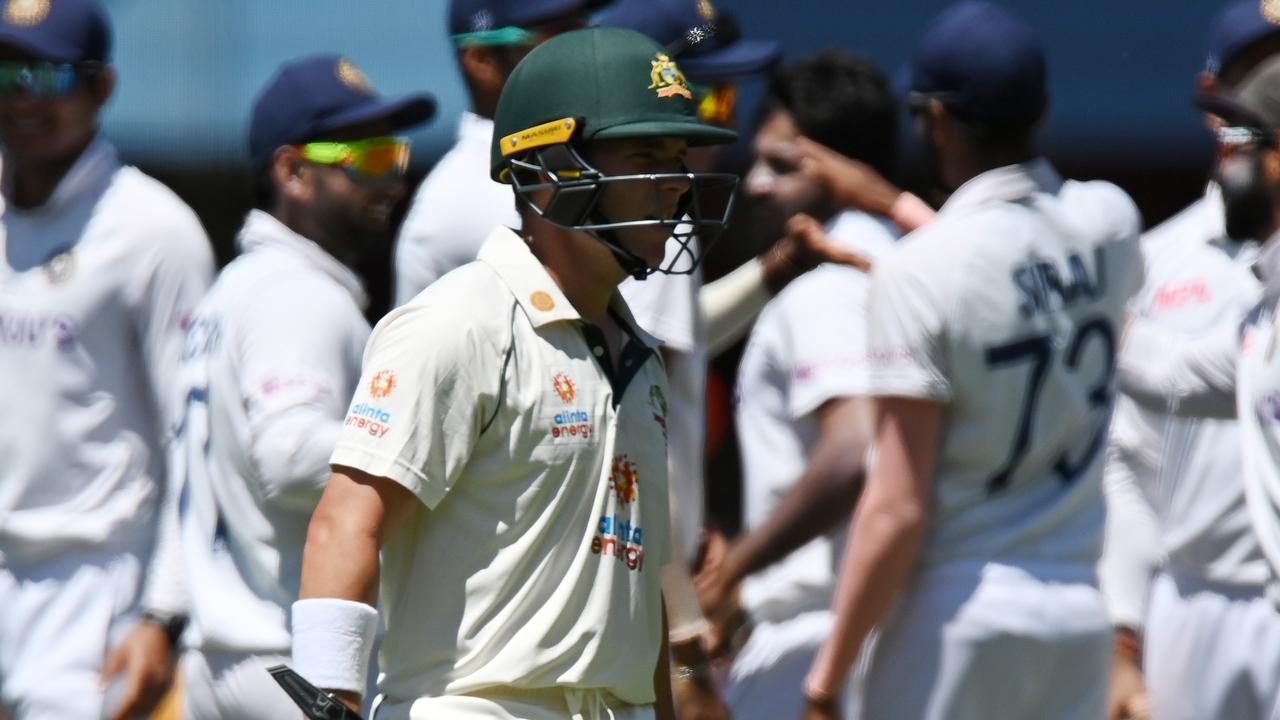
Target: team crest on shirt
point(658, 404)
point(564, 387)
point(60, 267)
point(26, 13)
point(383, 382)
point(667, 79)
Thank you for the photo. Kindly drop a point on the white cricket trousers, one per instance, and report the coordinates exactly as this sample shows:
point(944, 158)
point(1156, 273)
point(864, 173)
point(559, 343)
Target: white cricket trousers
point(767, 678)
point(560, 703)
point(58, 620)
point(225, 685)
point(1211, 652)
point(991, 642)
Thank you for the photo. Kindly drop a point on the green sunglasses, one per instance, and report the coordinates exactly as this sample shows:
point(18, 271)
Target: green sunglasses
point(379, 157)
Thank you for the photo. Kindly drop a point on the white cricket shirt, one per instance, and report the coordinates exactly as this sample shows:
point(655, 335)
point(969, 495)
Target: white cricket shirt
point(95, 287)
point(535, 561)
point(453, 212)
point(1007, 309)
point(807, 347)
point(271, 359)
point(666, 306)
point(1197, 281)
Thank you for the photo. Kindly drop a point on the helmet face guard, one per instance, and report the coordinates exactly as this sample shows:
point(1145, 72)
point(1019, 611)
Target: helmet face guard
point(576, 188)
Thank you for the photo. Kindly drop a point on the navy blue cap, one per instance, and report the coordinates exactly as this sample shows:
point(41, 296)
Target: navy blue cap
point(983, 63)
point(319, 94)
point(66, 31)
point(468, 16)
point(706, 42)
point(1236, 26)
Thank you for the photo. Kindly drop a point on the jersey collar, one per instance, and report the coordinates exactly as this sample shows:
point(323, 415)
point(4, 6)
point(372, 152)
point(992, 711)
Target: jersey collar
point(475, 131)
point(534, 289)
point(263, 230)
point(97, 162)
point(1004, 184)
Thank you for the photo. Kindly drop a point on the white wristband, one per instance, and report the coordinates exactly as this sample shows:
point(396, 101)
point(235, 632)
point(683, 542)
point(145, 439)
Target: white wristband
point(332, 641)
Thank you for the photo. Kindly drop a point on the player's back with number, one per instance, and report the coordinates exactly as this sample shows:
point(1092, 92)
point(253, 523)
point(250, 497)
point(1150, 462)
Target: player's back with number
point(1016, 295)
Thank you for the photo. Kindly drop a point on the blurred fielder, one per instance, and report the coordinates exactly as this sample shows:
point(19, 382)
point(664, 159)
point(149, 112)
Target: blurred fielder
point(102, 266)
point(272, 357)
point(1182, 567)
point(991, 352)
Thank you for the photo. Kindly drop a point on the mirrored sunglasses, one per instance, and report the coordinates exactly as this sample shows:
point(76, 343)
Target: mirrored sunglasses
point(373, 158)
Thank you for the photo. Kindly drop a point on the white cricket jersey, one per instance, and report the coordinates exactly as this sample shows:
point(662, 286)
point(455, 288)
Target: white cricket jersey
point(1197, 281)
point(453, 211)
point(95, 287)
point(272, 357)
point(1258, 407)
point(666, 306)
point(806, 348)
point(535, 561)
point(1007, 309)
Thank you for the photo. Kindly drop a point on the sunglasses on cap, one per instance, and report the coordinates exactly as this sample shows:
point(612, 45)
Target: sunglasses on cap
point(372, 159)
point(42, 79)
point(1234, 136)
point(716, 103)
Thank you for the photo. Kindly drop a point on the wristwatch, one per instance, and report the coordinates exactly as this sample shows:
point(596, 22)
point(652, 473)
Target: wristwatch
point(172, 623)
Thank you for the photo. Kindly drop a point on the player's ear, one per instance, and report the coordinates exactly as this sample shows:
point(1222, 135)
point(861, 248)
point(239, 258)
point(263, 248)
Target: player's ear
point(101, 85)
point(482, 66)
point(1271, 165)
point(1206, 82)
point(288, 173)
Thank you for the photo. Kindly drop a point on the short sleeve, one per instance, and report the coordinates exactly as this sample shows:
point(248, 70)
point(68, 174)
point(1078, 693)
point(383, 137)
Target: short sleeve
point(430, 380)
point(906, 326)
point(827, 320)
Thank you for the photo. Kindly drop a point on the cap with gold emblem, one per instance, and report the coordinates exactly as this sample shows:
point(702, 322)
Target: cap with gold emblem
point(61, 31)
point(603, 84)
point(1237, 26)
point(705, 39)
point(319, 94)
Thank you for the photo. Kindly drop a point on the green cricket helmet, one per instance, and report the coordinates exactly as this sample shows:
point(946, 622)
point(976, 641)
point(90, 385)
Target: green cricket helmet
point(604, 84)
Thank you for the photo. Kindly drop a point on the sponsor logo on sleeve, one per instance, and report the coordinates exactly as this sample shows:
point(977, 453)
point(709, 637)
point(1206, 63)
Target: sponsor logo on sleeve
point(370, 418)
point(381, 385)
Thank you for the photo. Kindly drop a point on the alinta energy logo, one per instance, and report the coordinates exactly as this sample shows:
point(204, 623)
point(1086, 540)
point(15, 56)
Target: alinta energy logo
point(383, 382)
point(625, 478)
point(617, 536)
point(564, 387)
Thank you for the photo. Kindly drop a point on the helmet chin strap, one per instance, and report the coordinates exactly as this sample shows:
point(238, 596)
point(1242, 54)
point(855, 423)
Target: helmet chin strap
point(632, 264)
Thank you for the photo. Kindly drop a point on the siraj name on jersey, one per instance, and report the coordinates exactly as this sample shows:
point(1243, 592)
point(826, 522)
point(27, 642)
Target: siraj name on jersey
point(1045, 286)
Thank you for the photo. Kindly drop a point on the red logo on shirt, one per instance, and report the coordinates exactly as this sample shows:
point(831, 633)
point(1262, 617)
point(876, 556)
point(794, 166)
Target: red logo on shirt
point(625, 479)
point(564, 387)
point(383, 382)
point(1192, 292)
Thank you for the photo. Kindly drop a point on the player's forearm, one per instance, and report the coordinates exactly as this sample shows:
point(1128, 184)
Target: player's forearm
point(1131, 542)
point(1170, 372)
point(340, 559)
point(823, 496)
point(729, 305)
point(882, 551)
